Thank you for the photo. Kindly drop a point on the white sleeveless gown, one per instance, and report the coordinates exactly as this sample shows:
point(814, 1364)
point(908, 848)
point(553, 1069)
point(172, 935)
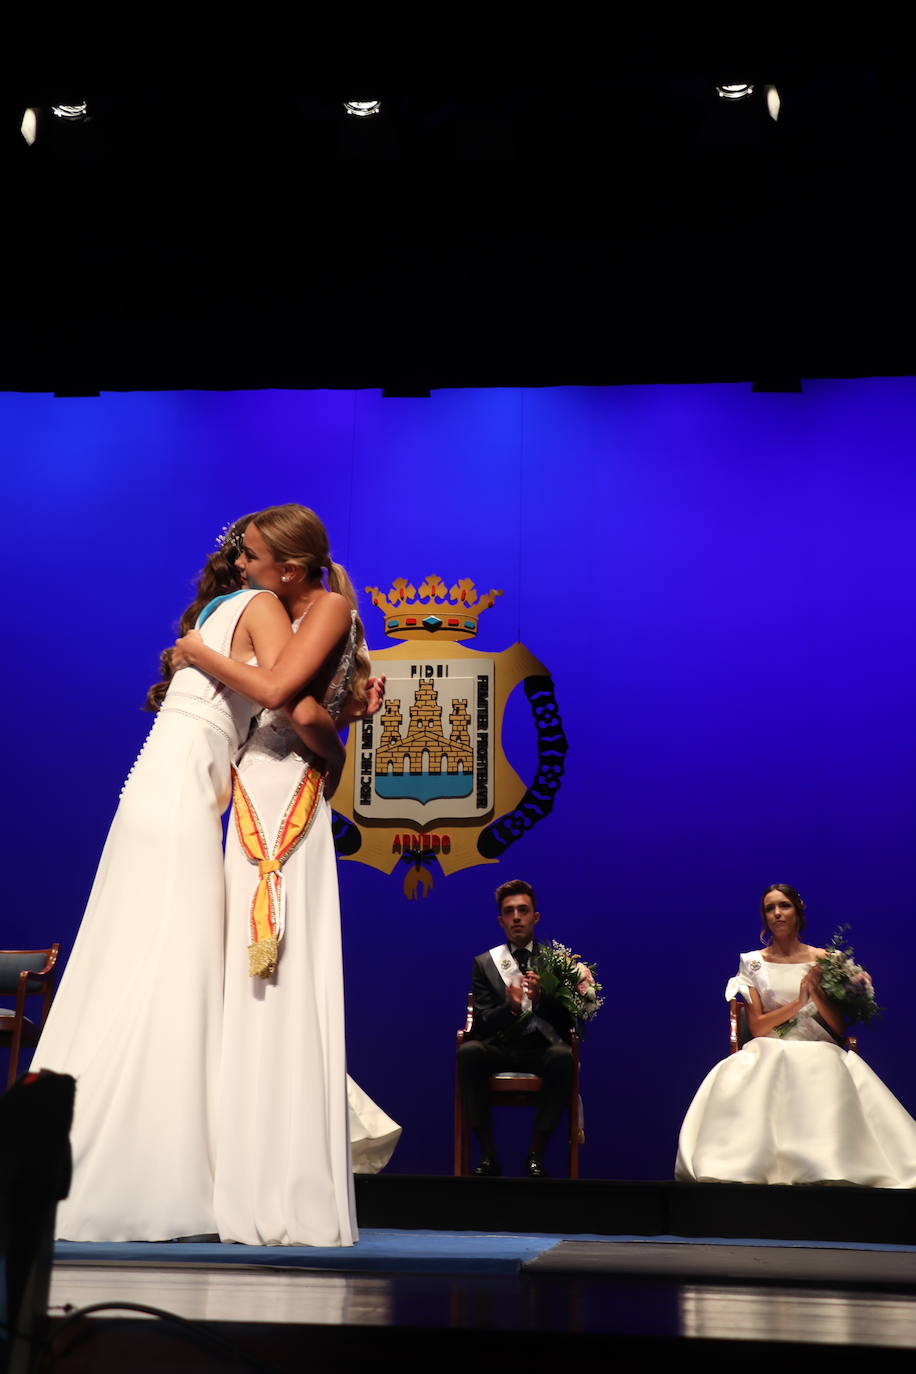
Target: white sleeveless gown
point(137, 1019)
point(286, 1107)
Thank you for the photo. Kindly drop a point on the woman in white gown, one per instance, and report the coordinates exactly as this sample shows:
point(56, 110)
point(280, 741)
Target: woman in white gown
point(283, 1164)
point(137, 1019)
point(792, 1106)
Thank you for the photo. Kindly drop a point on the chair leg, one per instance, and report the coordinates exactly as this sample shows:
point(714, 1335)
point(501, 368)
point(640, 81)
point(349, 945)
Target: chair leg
point(460, 1143)
point(574, 1144)
point(15, 1048)
point(575, 1109)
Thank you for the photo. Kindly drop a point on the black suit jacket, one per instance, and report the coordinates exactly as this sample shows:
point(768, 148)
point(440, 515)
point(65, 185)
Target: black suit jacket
point(493, 1017)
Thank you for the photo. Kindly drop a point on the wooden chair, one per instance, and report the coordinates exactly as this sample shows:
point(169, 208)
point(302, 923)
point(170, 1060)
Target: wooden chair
point(514, 1090)
point(739, 1035)
point(24, 973)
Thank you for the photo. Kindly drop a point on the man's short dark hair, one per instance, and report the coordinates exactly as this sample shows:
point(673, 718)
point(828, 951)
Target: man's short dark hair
point(515, 887)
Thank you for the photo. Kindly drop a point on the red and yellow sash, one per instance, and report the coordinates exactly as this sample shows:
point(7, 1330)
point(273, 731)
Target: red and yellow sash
point(267, 906)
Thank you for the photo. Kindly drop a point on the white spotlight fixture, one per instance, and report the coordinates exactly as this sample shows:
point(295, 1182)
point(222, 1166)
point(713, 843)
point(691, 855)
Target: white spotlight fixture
point(29, 126)
point(735, 92)
point(362, 109)
point(70, 111)
point(773, 101)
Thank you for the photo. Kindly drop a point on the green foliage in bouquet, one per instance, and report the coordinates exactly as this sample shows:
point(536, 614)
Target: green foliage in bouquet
point(846, 982)
point(569, 980)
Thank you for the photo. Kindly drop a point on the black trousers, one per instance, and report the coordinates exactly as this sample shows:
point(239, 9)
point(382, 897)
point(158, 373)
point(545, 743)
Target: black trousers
point(478, 1059)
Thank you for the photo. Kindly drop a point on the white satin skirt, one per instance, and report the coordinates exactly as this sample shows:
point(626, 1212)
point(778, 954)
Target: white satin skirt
point(796, 1111)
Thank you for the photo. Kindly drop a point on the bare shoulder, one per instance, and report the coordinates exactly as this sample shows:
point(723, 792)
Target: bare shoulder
point(264, 608)
point(334, 608)
point(815, 952)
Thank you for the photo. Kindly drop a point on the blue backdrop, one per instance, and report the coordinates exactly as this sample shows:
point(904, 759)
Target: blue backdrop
point(722, 584)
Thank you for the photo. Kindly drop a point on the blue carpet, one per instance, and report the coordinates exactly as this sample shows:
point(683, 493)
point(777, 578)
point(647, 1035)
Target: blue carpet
point(390, 1251)
point(378, 1251)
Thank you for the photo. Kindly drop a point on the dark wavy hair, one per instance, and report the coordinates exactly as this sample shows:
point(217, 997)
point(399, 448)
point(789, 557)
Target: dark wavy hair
point(794, 897)
point(515, 887)
point(217, 577)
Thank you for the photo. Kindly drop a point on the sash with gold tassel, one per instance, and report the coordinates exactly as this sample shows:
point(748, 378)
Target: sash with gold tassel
point(267, 904)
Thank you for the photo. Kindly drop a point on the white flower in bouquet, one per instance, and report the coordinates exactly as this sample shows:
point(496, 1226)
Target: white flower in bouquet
point(569, 980)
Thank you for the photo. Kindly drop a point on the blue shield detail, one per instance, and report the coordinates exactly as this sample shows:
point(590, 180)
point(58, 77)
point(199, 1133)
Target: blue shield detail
point(423, 787)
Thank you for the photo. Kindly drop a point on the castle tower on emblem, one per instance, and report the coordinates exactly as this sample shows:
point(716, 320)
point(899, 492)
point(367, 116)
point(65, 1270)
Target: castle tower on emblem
point(413, 765)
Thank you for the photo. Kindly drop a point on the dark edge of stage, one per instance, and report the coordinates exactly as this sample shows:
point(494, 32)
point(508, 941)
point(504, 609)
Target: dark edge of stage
point(266, 1347)
point(816, 1212)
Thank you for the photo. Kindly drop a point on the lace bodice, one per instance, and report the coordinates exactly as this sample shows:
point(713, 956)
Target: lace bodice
point(339, 686)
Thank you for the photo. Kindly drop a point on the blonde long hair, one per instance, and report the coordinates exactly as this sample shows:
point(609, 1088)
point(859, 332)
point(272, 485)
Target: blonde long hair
point(295, 534)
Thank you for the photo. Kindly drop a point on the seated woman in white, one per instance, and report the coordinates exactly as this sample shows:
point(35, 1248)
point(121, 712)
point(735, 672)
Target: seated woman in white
point(793, 1106)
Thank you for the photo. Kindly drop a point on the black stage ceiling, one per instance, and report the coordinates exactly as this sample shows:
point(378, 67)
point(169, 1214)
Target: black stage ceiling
point(647, 231)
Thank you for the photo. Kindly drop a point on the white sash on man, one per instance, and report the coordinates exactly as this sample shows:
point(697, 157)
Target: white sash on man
point(509, 971)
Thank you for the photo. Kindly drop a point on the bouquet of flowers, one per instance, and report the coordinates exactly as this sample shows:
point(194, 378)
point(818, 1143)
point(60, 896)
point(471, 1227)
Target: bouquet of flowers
point(569, 980)
point(846, 982)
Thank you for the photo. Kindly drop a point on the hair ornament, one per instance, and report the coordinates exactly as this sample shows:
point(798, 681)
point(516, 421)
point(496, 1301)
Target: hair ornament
point(229, 538)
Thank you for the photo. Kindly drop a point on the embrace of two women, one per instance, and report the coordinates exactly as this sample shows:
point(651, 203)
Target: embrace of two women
point(201, 1012)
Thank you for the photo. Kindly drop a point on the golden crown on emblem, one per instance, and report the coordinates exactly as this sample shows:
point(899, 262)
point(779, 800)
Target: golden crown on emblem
point(437, 614)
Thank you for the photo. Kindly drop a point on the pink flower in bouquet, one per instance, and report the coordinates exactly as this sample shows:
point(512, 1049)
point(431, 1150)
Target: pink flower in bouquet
point(586, 981)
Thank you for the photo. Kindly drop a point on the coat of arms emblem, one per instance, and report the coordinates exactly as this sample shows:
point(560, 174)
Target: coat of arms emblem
point(426, 783)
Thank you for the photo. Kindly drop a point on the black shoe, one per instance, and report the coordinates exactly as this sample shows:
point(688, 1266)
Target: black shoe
point(487, 1168)
point(534, 1166)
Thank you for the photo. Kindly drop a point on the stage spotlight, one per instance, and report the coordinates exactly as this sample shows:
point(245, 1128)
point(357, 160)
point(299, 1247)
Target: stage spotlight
point(735, 92)
point(70, 112)
point(363, 109)
point(773, 101)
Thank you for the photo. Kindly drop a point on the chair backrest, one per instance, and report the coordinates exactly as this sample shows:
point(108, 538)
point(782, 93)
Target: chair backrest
point(13, 961)
point(740, 1033)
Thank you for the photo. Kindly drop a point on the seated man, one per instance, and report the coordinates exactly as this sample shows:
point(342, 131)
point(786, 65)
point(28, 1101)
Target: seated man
point(515, 1029)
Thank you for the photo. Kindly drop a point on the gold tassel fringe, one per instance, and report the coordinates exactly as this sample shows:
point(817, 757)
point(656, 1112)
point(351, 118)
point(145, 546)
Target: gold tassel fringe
point(262, 957)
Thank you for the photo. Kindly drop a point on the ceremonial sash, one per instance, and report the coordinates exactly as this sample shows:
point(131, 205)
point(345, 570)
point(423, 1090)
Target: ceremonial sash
point(509, 971)
point(506, 966)
point(268, 905)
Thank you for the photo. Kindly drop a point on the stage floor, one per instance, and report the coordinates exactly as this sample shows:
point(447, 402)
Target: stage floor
point(402, 1290)
point(434, 1284)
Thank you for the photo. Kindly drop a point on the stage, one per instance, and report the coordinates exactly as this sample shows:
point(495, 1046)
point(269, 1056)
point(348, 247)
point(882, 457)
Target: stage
point(827, 1270)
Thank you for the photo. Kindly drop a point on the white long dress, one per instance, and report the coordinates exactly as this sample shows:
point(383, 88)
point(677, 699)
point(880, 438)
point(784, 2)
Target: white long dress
point(137, 1017)
point(283, 1174)
point(794, 1109)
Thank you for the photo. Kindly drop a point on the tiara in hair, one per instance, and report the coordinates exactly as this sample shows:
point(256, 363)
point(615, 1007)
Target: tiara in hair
point(227, 540)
